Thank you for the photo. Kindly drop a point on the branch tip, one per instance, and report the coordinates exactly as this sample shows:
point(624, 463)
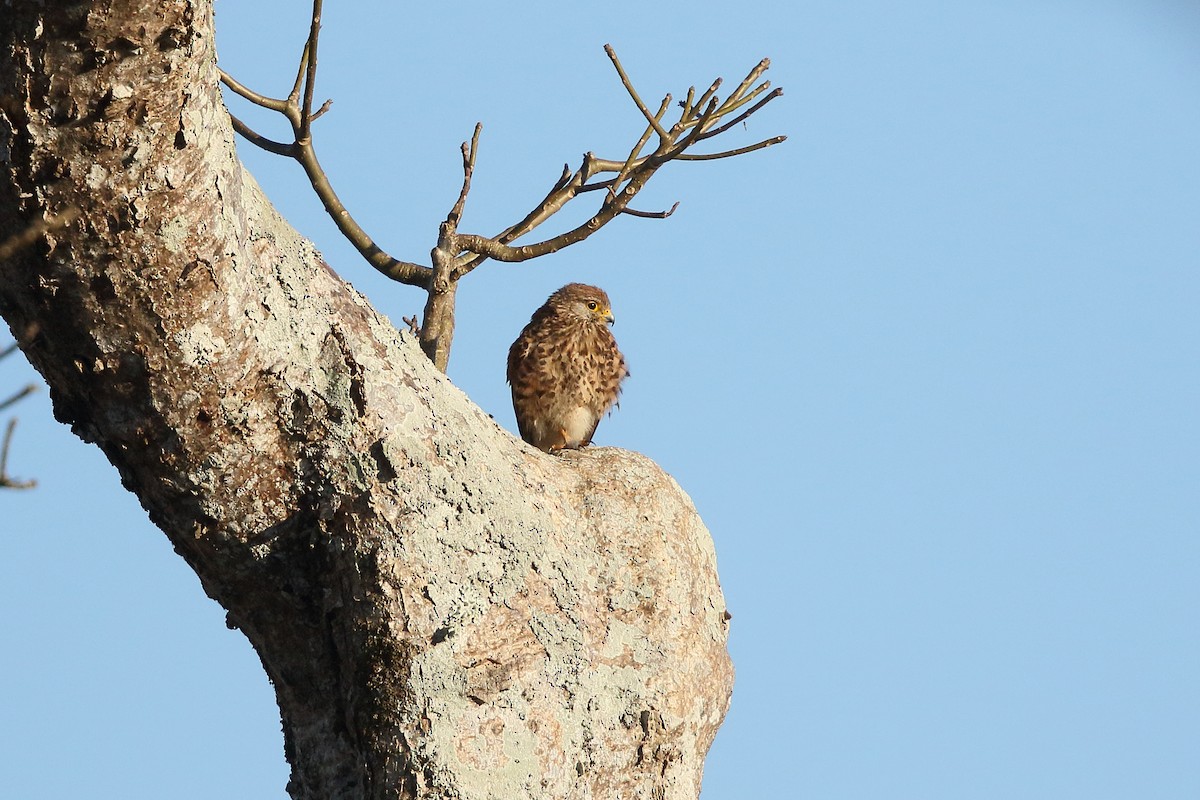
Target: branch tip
point(730, 153)
point(469, 151)
point(310, 72)
point(321, 111)
point(612, 55)
point(651, 214)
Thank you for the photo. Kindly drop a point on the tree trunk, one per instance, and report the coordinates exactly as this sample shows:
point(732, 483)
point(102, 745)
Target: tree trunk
point(444, 612)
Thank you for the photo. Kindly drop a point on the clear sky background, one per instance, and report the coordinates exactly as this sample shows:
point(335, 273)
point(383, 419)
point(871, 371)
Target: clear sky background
point(930, 370)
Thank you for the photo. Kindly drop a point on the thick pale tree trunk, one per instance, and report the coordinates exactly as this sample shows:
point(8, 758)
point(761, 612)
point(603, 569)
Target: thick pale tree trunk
point(444, 612)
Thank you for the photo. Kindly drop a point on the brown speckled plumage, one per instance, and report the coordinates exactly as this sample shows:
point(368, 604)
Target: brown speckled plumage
point(565, 369)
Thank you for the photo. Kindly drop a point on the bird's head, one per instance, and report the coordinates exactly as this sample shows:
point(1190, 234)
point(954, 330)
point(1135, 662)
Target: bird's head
point(584, 302)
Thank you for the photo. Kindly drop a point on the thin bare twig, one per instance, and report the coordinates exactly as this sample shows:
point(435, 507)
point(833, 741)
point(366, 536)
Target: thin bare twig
point(628, 84)
point(698, 125)
point(742, 117)
point(254, 97)
point(469, 151)
point(270, 145)
point(34, 231)
point(9, 248)
point(321, 111)
point(637, 150)
point(6, 481)
point(27, 335)
point(20, 394)
point(310, 78)
point(706, 99)
point(750, 148)
point(734, 105)
point(652, 214)
point(750, 78)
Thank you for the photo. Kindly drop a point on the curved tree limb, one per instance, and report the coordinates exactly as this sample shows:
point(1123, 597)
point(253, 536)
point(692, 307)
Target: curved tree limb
point(297, 108)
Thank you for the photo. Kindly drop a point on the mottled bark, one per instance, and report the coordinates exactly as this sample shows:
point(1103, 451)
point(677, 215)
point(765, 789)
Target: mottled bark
point(443, 611)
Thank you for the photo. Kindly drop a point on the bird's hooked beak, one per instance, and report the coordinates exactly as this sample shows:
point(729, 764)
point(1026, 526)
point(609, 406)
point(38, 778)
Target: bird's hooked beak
point(609, 318)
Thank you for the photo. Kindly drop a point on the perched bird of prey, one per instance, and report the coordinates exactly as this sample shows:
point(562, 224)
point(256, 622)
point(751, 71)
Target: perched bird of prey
point(565, 369)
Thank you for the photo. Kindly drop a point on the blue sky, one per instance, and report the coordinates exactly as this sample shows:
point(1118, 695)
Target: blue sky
point(930, 371)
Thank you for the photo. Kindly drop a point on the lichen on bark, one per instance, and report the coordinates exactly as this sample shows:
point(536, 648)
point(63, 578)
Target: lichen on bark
point(443, 611)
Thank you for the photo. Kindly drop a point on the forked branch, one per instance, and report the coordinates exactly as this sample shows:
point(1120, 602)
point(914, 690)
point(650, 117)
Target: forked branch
point(696, 123)
point(297, 108)
point(700, 119)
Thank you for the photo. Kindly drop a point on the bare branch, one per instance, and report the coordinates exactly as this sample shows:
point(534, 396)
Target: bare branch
point(652, 214)
point(610, 209)
point(552, 202)
point(706, 100)
point(254, 97)
point(257, 139)
point(21, 394)
point(633, 159)
point(310, 78)
point(401, 271)
point(321, 111)
point(301, 71)
point(563, 179)
point(34, 231)
point(750, 78)
point(733, 104)
point(730, 153)
point(686, 103)
point(600, 185)
point(564, 189)
point(469, 151)
point(7, 482)
point(612, 54)
point(742, 117)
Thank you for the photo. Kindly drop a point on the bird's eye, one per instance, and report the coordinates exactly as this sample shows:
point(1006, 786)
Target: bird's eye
point(592, 305)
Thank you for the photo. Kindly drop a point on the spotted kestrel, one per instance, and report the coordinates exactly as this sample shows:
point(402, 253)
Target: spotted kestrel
point(565, 369)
